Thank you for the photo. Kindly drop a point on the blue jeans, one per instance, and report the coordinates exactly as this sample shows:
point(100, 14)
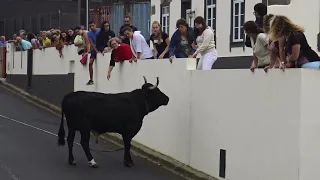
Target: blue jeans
point(315, 64)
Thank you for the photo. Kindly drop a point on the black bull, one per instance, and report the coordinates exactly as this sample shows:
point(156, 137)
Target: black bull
point(121, 113)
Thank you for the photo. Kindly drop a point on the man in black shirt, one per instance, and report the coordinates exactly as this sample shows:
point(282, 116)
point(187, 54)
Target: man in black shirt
point(127, 23)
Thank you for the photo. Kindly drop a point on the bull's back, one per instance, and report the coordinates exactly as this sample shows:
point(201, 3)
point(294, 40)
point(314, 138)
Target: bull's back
point(100, 105)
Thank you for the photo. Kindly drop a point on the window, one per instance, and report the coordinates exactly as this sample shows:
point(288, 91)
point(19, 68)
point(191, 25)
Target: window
point(165, 16)
point(278, 2)
point(238, 21)
point(211, 13)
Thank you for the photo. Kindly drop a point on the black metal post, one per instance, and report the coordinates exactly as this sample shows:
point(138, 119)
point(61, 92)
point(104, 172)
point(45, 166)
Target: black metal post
point(29, 68)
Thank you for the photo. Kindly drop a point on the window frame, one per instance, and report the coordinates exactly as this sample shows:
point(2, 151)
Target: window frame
point(213, 25)
point(240, 41)
point(166, 25)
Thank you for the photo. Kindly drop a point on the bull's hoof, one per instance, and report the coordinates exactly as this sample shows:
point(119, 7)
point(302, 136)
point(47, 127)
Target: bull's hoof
point(72, 162)
point(93, 164)
point(128, 164)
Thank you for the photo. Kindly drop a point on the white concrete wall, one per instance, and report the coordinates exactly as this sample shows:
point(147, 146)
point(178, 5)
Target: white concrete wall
point(16, 61)
point(259, 119)
point(267, 123)
point(305, 13)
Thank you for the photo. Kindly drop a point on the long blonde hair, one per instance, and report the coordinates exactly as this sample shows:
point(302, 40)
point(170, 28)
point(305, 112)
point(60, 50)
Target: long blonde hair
point(160, 29)
point(282, 26)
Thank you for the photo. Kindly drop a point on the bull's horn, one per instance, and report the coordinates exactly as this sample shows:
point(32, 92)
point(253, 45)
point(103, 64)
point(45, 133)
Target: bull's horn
point(145, 79)
point(156, 85)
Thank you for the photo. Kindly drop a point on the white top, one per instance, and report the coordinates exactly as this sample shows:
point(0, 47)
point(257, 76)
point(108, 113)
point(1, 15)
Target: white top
point(205, 41)
point(139, 44)
point(260, 49)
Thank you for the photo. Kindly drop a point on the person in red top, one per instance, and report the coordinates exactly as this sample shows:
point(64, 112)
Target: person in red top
point(120, 52)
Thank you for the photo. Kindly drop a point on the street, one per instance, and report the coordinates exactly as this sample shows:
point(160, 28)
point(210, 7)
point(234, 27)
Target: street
point(29, 151)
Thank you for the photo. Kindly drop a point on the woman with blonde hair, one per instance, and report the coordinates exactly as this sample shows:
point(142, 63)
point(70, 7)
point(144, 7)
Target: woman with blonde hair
point(297, 50)
point(276, 52)
point(160, 41)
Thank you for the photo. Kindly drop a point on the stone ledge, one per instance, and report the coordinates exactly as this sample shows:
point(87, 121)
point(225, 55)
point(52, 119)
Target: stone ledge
point(141, 150)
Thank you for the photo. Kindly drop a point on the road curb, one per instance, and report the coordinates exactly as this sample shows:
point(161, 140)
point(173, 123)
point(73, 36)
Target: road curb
point(141, 150)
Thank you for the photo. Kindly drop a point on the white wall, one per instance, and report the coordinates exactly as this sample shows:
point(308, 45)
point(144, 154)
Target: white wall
point(305, 13)
point(267, 123)
point(16, 61)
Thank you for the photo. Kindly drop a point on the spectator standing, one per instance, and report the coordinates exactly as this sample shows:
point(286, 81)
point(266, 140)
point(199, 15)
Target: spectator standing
point(138, 44)
point(104, 36)
point(46, 42)
point(84, 34)
point(127, 23)
point(70, 36)
point(297, 50)
point(23, 44)
point(259, 41)
point(34, 41)
point(181, 41)
point(259, 11)
point(160, 41)
point(3, 42)
point(276, 53)
point(120, 52)
point(205, 44)
point(79, 43)
point(92, 35)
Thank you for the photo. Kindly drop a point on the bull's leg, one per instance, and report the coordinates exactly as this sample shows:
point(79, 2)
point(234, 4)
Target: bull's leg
point(85, 139)
point(128, 162)
point(70, 139)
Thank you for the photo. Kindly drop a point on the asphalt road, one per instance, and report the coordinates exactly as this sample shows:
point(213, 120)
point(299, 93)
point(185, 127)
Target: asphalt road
point(27, 153)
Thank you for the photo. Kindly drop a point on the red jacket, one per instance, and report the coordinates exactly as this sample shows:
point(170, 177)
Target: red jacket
point(123, 52)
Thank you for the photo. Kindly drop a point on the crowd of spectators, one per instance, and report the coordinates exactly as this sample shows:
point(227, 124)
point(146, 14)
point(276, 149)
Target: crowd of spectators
point(275, 40)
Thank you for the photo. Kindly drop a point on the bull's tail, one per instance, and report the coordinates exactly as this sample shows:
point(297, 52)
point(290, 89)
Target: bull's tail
point(61, 133)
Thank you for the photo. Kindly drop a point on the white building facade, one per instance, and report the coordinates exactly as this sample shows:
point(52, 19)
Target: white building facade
point(227, 18)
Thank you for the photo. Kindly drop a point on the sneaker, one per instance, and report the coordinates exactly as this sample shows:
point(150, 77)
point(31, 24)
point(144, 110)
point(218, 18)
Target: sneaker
point(90, 82)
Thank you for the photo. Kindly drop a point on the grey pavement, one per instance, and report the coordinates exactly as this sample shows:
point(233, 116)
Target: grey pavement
point(30, 154)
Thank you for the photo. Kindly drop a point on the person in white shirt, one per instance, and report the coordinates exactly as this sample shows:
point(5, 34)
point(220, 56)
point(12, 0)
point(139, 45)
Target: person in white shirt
point(205, 44)
point(259, 41)
point(138, 44)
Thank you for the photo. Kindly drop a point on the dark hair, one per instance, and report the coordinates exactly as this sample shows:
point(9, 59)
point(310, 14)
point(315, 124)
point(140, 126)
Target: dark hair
point(77, 28)
point(102, 26)
point(127, 28)
point(127, 16)
point(202, 21)
point(31, 36)
point(182, 22)
point(91, 22)
point(261, 9)
point(252, 27)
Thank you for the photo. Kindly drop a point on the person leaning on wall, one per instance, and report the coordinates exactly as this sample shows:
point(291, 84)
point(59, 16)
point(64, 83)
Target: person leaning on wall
point(205, 44)
point(160, 41)
point(297, 50)
point(259, 42)
point(276, 48)
point(120, 52)
point(181, 41)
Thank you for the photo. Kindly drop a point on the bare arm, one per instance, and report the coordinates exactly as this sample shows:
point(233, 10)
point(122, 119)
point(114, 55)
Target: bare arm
point(167, 48)
point(86, 40)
